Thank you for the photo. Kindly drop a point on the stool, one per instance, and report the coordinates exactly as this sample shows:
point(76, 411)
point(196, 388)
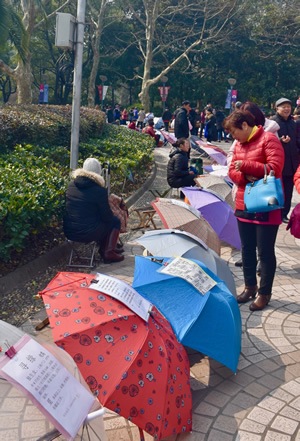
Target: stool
point(175, 193)
point(160, 193)
point(145, 215)
point(84, 253)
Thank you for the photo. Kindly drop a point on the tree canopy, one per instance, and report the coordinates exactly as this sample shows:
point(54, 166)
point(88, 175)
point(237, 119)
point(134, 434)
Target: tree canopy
point(197, 44)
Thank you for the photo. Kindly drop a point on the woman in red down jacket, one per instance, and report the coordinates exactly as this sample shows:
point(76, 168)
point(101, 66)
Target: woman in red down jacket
point(258, 231)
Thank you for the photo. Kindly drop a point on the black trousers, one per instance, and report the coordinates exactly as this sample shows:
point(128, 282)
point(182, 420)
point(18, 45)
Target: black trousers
point(261, 238)
point(288, 186)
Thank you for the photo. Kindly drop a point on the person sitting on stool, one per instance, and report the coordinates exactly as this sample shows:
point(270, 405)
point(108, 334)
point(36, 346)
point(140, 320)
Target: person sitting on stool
point(178, 172)
point(88, 216)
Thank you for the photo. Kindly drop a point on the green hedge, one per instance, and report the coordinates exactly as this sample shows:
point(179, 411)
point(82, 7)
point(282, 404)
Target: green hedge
point(46, 125)
point(34, 176)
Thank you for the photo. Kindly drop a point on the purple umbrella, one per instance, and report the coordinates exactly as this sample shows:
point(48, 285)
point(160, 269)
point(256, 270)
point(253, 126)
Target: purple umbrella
point(216, 153)
point(217, 213)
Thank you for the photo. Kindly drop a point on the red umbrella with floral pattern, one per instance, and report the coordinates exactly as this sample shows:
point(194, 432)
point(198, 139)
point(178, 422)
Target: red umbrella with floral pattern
point(136, 368)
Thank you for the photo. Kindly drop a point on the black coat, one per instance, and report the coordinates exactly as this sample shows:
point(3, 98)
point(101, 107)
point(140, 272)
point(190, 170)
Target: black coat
point(87, 215)
point(291, 149)
point(177, 168)
point(182, 124)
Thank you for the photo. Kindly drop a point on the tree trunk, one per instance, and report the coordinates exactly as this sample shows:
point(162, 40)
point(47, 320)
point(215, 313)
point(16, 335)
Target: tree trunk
point(23, 77)
point(96, 58)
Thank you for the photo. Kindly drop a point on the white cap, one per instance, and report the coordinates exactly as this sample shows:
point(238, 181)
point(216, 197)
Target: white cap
point(92, 165)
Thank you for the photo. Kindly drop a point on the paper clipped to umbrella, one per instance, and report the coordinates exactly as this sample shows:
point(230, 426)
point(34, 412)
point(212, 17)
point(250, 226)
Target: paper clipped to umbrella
point(51, 387)
point(124, 293)
point(191, 272)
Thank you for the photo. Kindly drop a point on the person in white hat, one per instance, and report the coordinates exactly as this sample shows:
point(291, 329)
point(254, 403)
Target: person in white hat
point(287, 136)
point(88, 216)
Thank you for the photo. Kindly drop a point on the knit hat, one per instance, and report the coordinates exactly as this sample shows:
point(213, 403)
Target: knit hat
point(281, 101)
point(92, 165)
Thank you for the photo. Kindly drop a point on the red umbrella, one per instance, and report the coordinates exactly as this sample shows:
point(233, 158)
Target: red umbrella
point(136, 368)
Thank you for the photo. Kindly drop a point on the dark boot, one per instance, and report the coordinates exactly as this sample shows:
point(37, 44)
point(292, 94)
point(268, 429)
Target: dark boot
point(249, 291)
point(109, 254)
point(261, 301)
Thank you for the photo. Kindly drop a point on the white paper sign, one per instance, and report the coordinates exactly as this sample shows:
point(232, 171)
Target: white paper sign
point(191, 272)
point(58, 395)
point(124, 293)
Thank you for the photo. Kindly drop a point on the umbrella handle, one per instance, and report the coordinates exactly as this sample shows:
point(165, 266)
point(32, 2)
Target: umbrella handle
point(97, 413)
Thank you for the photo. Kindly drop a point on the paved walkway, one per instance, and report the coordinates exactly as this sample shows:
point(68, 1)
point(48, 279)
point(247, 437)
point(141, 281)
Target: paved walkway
point(260, 402)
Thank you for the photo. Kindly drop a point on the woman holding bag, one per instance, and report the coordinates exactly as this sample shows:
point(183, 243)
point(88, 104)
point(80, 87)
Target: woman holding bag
point(258, 231)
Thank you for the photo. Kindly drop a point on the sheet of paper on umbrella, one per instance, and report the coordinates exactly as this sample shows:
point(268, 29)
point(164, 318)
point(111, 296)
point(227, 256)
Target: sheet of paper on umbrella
point(124, 293)
point(56, 393)
point(191, 272)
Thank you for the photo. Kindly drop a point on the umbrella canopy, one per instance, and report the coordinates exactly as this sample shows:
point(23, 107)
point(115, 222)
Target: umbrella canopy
point(217, 185)
point(172, 243)
point(177, 214)
point(10, 335)
point(170, 137)
point(136, 368)
point(215, 153)
point(209, 323)
point(217, 213)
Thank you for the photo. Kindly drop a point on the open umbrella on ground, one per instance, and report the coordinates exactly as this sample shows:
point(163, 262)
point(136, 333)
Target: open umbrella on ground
point(209, 322)
point(216, 184)
point(177, 214)
point(93, 427)
point(173, 242)
point(215, 153)
point(136, 368)
point(196, 149)
point(170, 137)
point(217, 213)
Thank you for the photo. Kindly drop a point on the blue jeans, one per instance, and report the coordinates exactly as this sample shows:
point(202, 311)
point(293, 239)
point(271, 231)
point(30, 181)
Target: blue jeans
point(261, 238)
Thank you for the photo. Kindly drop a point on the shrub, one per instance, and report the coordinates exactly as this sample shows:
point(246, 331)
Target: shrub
point(46, 125)
point(34, 177)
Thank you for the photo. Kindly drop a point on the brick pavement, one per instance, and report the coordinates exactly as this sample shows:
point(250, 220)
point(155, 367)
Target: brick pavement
point(260, 402)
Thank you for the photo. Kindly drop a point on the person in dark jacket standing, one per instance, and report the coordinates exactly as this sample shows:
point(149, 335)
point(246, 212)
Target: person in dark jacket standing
point(167, 117)
point(182, 129)
point(178, 172)
point(88, 216)
point(287, 136)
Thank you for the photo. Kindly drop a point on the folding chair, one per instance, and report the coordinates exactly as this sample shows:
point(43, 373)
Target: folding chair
point(82, 254)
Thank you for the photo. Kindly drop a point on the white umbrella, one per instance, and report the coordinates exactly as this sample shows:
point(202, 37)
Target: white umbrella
point(172, 242)
point(93, 429)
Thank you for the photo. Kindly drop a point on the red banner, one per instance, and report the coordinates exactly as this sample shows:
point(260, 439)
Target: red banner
point(100, 91)
point(164, 90)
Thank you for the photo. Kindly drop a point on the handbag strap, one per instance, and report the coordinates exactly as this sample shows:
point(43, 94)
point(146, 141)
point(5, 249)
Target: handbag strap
point(266, 173)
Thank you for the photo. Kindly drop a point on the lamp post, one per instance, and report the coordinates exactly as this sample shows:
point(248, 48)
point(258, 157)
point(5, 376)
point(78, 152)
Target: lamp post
point(232, 82)
point(164, 79)
point(103, 78)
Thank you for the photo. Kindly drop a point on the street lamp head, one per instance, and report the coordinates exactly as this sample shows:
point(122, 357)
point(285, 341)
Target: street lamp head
point(231, 81)
point(164, 79)
point(103, 78)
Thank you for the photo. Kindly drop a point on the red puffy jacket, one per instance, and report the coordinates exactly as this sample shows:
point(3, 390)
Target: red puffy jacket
point(297, 179)
point(263, 148)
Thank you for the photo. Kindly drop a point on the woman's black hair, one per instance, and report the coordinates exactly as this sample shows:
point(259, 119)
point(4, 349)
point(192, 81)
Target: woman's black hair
point(179, 142)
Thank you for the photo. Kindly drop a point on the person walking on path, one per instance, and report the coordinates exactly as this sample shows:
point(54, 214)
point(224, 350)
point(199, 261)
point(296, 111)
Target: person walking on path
point(167, 117)
point(291, 146)
point(182, 129)
point(141, 119)
point(254, 149)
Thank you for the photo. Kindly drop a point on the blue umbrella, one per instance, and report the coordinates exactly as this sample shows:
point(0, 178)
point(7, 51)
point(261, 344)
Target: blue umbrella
point(210, 323)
